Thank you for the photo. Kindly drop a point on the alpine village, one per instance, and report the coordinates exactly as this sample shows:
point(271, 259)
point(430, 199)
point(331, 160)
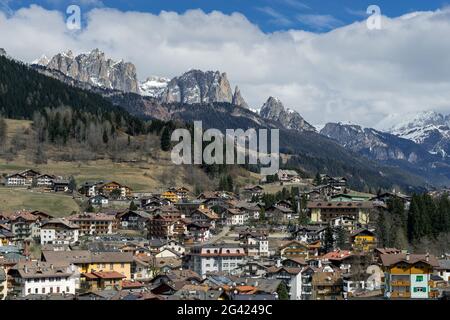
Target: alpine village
point(91, 207)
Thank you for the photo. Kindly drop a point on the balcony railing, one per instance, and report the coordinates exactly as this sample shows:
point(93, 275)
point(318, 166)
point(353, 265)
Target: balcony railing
point(400, 283)
point(397, 294)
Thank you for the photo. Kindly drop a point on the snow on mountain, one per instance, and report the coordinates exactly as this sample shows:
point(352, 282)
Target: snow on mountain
point(153, 86)
point(428, 128)
point(42, 61)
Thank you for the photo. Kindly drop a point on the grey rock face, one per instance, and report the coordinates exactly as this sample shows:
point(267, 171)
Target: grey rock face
point(238, 100)
point(375, 144)
point(196, 86)
point(2, 52)
point(95, 69)
point(273, 109)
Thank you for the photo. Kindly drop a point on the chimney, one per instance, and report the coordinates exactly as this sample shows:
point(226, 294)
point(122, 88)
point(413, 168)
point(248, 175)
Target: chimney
point(427, 257)
point(407, 256)
point(25, 268)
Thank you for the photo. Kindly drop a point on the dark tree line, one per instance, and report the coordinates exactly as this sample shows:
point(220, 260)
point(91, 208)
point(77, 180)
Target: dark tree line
point(426, 218)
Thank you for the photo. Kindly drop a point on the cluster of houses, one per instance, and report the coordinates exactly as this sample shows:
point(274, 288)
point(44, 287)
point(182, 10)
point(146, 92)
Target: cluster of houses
point(33, 178)
point(217, 245)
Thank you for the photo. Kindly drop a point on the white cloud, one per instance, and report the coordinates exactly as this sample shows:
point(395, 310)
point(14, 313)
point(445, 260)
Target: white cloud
point(349, 74)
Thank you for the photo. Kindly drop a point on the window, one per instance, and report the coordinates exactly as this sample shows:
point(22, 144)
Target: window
point(420, 289)
point(419, 278)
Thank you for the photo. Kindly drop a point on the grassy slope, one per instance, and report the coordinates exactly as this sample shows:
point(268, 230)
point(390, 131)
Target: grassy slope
point(12, 199)
point(154, 175)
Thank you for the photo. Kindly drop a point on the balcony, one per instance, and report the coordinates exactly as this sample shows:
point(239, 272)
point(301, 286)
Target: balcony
point(400, 283)
point(397, 294)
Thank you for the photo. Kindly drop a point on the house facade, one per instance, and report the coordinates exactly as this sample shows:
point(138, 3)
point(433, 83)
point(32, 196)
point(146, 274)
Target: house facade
point(408, 275)
point(59, 231)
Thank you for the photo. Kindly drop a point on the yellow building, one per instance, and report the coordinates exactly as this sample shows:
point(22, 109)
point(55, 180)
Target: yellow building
point(363, 240)
point(408, 275)
point(171, 196)
point(88, 262)
point(101, 280)
point(326, 211)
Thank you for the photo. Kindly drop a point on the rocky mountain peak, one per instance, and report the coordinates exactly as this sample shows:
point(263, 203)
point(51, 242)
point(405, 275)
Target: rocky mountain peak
point(2, 52)
point(153, 86)
point(97, 70)
point(430, 129)
point(196, 86)
point(273, 109)
point(238, 100)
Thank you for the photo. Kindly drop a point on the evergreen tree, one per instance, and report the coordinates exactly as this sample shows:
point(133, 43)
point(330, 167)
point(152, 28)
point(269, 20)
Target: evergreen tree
point(282, 291)
point(329, 239)
point(318, 179)
point(415, 220)
point(133, 206)
point(72, 184)
point(382, 230)
point(165, 139)
point(342, 238)
point(3, 130)
point(105, 137)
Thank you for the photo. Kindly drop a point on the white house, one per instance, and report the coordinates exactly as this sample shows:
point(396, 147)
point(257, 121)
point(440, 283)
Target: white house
point(233, 217)
point(216, 258)
point(59, 231)
point(174, 246)
point(256, 243)
point(37, 277)
point(16, 180)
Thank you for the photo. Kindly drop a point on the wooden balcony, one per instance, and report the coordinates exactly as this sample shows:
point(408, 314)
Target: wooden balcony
point(397, 294)
point(400, 283)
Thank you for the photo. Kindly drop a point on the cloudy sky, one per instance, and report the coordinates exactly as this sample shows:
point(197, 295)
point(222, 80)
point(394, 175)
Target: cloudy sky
point(321, 61)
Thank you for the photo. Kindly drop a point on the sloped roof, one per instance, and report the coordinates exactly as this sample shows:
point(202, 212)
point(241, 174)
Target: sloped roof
point(390, 259)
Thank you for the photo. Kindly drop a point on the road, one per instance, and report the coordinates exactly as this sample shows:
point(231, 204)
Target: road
point(218, 236)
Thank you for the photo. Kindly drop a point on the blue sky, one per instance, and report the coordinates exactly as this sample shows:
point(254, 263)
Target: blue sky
point(269, 15)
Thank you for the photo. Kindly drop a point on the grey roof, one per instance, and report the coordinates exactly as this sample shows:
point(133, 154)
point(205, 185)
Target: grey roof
point(39, 269)
point(444, 264)
point(85, 256)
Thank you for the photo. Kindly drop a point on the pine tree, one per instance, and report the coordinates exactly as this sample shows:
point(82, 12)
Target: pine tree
point(3, 130)
point(105, 137)
point(283, 293)
point(328, 244)
point(133, 206)
point(72, 184)
point(165, 139)
point(318, 179)
point(414, 220)
point(342, 238)
point(382, 231)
